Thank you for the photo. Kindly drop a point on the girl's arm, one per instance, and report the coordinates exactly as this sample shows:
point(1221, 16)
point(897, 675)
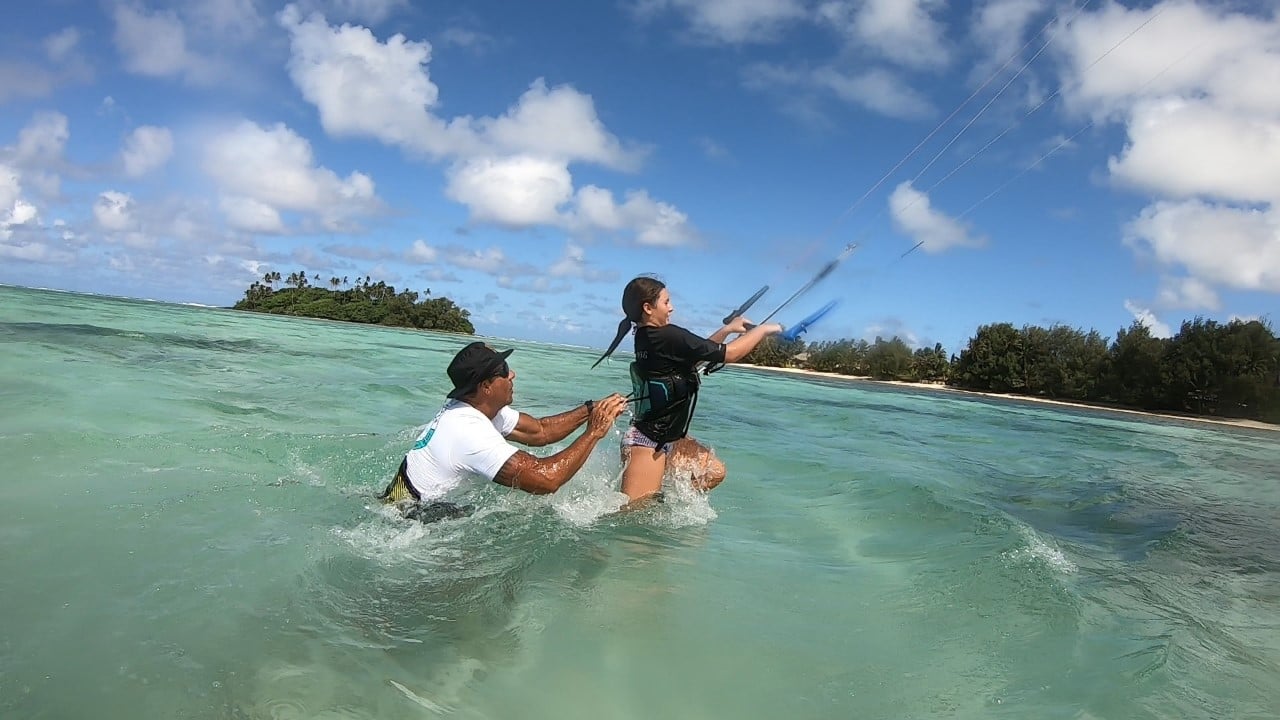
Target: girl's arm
point(746, 342)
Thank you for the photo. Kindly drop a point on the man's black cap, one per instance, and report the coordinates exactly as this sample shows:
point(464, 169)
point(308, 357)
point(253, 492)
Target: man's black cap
point(473, 365)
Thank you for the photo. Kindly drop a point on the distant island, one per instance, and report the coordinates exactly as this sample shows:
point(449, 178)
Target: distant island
point(1207, 369)
point(374, 303)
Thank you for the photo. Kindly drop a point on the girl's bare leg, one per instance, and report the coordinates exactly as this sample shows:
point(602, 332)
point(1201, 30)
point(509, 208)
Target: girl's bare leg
point(642, 475)
point(690, 456)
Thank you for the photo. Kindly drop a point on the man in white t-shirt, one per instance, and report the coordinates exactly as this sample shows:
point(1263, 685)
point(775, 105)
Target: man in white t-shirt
point(469, 438)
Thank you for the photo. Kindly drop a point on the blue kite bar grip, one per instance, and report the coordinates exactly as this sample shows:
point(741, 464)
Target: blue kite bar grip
point(794, 332)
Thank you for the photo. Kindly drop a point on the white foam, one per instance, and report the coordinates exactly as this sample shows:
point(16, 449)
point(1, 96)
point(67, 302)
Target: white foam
point(1038, 549)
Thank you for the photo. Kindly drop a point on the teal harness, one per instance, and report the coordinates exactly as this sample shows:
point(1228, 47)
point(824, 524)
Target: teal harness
point(664, 404)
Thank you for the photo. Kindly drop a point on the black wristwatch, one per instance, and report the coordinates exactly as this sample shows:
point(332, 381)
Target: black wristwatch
point(591, 404)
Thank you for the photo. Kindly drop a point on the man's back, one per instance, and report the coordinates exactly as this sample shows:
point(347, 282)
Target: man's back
point(459, 443)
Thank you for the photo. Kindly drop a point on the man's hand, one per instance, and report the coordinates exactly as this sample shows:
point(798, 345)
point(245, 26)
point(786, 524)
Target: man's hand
point(604, 413)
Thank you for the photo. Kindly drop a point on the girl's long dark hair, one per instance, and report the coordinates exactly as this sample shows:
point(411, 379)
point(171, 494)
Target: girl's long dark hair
point(640, 290)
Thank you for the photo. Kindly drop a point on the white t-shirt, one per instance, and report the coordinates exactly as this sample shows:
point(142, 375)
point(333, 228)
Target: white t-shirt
point(459, 443)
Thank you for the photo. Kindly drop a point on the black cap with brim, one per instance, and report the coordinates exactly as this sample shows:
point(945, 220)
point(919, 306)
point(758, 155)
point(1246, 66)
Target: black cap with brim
point(473, 365)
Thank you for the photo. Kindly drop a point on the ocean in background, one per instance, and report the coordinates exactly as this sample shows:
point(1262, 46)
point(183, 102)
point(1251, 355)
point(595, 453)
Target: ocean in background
point(188, 530)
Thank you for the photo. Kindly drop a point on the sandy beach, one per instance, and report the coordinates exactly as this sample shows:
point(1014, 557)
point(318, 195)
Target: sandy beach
point(1250, 424)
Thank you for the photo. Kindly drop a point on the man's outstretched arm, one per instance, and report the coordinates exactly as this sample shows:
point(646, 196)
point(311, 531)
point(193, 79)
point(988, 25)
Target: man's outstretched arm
point(539, 432)
point(540, 476)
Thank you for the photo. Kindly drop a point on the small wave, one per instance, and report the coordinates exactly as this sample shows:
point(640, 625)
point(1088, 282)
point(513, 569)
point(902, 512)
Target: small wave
point(1038, 550)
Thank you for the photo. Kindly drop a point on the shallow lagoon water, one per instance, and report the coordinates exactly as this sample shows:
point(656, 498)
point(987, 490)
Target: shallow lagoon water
point(187, 530)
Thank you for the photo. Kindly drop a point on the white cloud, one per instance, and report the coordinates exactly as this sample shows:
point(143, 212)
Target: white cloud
point(421, 253)
point(251, 215)
point(274, 167)
point(730, 21)
point(557, 122)
point(1233, 247)
point(28, 77)
point(371, 12)
point(35, 252)
point(511, 170)
point(1148, 319)
point(713, 149)
point(1195, 88)
point(151, 43)
point(236, 19)
point(902, 31)
point(14, 210)
point(60, 45)
point(913, 215)
point(875, 89)
point(366, 88)
point(573, 264)
point(114, 211)
point(42, 141)
point(653, 223)
point(1189, 50)
point(1187, 293)
point(513, 192)
point(999, 25)
point(492, 260)
point(1182, 148)
point(24, 79)
point(536, 285)
point(799, 88)
point(147, 148)
point(10, 188)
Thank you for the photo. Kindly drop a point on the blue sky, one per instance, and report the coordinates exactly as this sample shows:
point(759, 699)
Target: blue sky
point(1086, 163)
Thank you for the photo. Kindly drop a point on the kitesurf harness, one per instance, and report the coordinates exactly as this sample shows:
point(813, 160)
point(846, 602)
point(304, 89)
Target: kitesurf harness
point(664, 403)
point(400, 488)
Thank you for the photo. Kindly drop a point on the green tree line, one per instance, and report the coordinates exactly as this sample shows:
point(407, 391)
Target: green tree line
point(1208, 368)
point(364, 302)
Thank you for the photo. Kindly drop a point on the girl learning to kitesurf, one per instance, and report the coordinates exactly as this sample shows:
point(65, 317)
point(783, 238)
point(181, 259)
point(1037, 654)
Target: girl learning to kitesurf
point(664, 377)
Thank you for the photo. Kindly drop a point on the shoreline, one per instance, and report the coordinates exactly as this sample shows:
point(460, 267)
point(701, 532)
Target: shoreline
point(932, 387)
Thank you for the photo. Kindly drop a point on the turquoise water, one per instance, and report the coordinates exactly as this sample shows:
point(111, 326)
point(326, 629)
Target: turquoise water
point(187, 531)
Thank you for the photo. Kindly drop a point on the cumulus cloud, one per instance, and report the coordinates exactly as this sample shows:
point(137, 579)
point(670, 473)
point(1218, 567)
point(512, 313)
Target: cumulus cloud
point(491, 260)
point(151, 43)
point(800, 90)
point(902, 31)
point(251, 215)
point(514, 192)
point(421, 253)
point(913, 214)
point(14, 210)
point(1148, 319)
point(262, 171)
point(511, 170)
point(729, 21)
point(113, 211)
point(370, 12)
point(1187, 293)
point(60, 45)
point(1195, 91)
point(366, 88)
point(29, 77)
point(573, 264)
point(41, 141)
point(999, 26)
point(875, 89)
point(1187, 148)
point(147, 148)
point(1233, 247)
point(653, 223)
point(37, 157)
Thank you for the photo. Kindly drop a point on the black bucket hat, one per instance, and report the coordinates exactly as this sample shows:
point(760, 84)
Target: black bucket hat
point(473, 365)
